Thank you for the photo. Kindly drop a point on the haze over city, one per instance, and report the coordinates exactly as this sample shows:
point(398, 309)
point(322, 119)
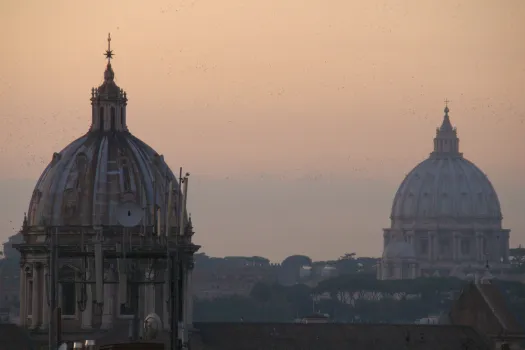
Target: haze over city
point(298, 132)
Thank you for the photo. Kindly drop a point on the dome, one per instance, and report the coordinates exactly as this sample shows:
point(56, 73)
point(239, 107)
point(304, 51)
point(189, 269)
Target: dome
point(399, 249)
point(446, 185)
point(87, 181)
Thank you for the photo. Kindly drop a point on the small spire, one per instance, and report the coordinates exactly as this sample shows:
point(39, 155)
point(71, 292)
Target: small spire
point(110, 100)
point(446, 141)
point(446, 125)
point(109, 75)
point(446, 107)
point(25, 223)
point(109, 53)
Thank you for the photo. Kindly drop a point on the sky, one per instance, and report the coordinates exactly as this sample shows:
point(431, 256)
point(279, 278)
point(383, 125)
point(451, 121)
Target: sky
point(298, 119)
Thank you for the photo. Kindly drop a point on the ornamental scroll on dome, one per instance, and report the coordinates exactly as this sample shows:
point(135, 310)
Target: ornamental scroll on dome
point(75, 188)
point(69, 207)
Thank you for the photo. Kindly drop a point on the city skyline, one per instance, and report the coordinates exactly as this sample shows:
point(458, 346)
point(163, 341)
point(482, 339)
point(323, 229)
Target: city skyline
point(290, 138)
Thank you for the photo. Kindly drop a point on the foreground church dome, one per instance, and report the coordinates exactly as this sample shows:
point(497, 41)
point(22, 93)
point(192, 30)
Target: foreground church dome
point(117, 211)
point(447, 210)
point(86, 181)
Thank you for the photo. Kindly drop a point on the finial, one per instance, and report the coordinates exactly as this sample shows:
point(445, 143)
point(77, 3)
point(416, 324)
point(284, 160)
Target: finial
point(25, 222)
point(109, 52)
point(446, 106)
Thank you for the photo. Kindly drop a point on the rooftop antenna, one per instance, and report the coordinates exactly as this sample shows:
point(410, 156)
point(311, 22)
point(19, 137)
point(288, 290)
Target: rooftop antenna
point(183, 200)
point(169, 208)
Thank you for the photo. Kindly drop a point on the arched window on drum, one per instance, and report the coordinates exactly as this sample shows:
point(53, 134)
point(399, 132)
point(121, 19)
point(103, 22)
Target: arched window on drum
point(113, 119)
point(101, 118)
point(123, 116)
point(68, 292)
point(128, 308)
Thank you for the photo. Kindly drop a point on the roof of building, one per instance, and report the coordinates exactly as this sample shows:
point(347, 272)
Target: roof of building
point(330, 336)
point(325, 336)
point(13, 337)
point(494, 296)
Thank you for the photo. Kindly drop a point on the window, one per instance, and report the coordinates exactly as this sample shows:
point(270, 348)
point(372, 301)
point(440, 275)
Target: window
point(444, 246)
point(405, 273)
point(391, 272)
point(113, 119)
point(123, 116)
point(69, 306)
point(127, 308)
point(29, 299)
point(423, 246)
point(465, 247)
point(101, 118)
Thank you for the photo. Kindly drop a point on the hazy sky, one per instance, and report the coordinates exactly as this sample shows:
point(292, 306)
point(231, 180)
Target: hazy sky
point(297, 118)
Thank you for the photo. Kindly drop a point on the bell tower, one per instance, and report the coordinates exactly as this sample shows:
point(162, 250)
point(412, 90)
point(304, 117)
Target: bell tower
point(108, 102)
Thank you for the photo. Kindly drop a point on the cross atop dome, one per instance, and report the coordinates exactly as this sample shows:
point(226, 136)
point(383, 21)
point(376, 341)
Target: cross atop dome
point(109, 53)
point(446, 126)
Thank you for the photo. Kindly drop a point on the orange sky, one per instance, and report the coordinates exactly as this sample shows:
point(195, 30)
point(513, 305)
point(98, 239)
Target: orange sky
point(295, 89)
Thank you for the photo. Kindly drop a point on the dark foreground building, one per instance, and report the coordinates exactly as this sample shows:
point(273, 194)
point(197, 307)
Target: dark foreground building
point(484, 306)
point(289, 336)
point(328, 336)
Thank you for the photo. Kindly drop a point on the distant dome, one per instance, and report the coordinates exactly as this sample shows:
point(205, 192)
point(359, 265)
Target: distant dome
point(399, 249)
point(449, 215)
point(296, 261)
point(446, 185)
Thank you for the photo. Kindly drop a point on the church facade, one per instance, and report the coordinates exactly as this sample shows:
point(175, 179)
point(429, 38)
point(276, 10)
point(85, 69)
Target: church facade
point(446, 218)
point(77, 199)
